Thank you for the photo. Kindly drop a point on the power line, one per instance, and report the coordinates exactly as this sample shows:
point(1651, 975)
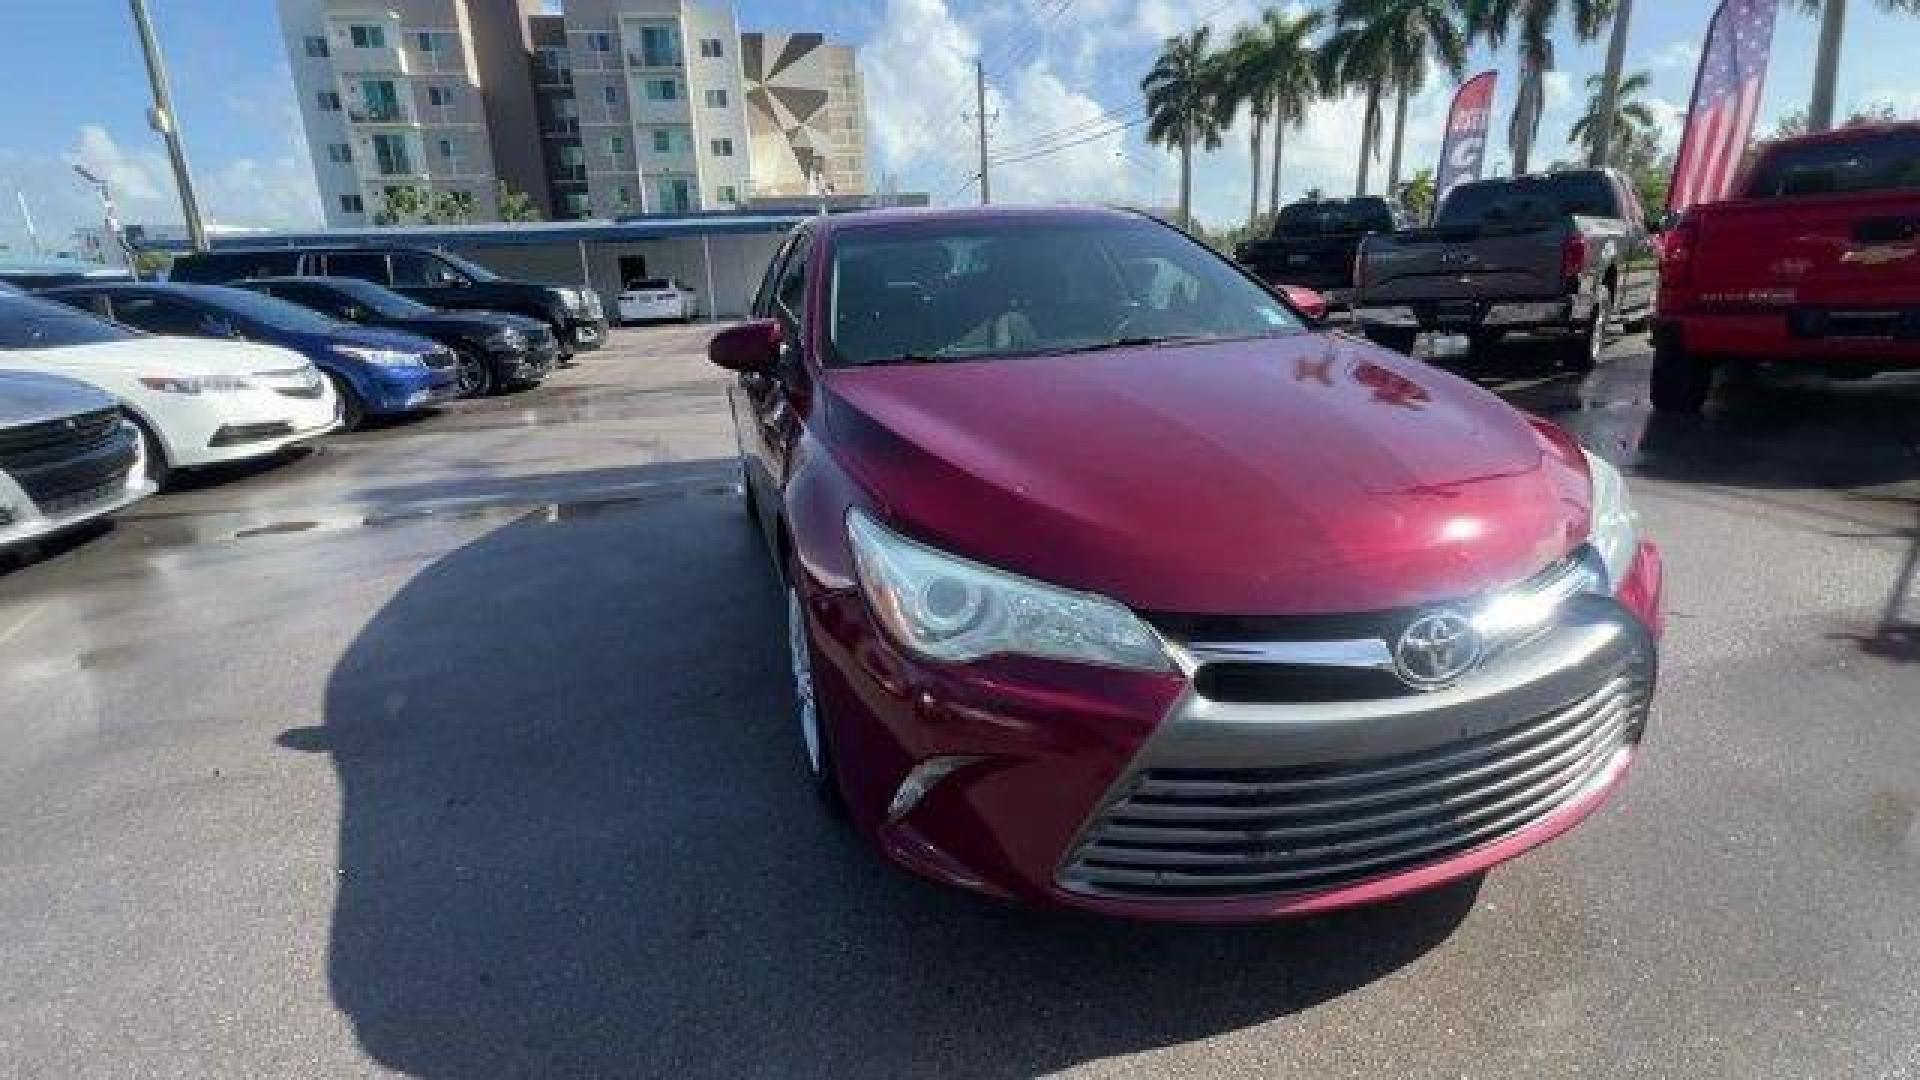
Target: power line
point(1112, 116)
point(1104, 133)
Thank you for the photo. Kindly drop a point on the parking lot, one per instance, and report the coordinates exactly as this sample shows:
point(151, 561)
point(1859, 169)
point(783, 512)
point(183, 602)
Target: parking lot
point(461, 747)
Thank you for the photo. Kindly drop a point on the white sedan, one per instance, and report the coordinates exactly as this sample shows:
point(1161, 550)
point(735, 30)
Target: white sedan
point(196, 401)
point(653, 299)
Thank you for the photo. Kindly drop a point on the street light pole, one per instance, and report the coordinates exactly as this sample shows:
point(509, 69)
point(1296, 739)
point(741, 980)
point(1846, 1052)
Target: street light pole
point(162, 120)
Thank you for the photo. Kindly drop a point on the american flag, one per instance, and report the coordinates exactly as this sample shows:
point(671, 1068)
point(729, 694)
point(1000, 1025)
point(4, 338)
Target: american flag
point(1726, 97)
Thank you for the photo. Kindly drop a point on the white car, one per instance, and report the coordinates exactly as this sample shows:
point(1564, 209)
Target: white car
point(654, 299)
point(68, 455)
point(195, 401)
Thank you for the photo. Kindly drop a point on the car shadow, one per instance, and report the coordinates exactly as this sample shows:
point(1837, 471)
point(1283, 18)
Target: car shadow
point(575, 839)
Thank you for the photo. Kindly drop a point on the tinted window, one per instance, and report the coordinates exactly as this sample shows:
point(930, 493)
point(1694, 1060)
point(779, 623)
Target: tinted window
point(365, 265)
point(220, 266)
point(160, 315)
point(269, 312)
point(375, 298)
point(28, 322)
point(1529, 200)
point(1336, 217)
point(468, 267)
point(322, 300)
point(971, 290)
point(1882, 162)
point(416, 270)
point(790, 301)
point(763, 297)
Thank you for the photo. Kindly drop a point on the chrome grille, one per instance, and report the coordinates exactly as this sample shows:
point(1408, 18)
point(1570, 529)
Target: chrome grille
point(1176, 833)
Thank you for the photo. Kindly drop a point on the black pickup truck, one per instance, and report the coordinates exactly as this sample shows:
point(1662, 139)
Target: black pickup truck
point(436, 278)
point(1313, 243)
point(1565, 253)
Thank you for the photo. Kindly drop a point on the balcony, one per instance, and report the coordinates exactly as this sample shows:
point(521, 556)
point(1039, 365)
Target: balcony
point(569, 174)
point(548, 75)
point(655, 59)
point(378, 114)
point(561, 127)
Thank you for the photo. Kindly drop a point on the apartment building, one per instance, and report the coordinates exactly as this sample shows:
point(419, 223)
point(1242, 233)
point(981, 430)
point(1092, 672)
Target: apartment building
point(433, 95)
point(605, 108)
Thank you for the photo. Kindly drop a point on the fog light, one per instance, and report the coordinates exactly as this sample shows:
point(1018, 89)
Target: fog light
point(922, 780)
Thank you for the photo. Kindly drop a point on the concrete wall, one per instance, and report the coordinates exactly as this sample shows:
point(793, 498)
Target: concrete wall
point(739, 262)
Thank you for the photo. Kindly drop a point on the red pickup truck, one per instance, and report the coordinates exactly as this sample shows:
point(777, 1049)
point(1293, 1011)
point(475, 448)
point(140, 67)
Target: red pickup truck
point(1816, 262)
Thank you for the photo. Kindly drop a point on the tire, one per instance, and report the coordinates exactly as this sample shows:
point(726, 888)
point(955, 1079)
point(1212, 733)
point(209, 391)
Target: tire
point(475, 373)
point(353, 411)
point(1393, 338)
point(153, 456)
point(1587, 347)
point(816, 746)
point(1680, 383)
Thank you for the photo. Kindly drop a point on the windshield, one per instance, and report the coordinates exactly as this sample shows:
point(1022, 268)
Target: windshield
point(272, 312)
point(974, 290)
point(1335, 218)
point(1882, 162)
point(30, 323)
point(468, 267)
point(1529, 200)
point(378, 299)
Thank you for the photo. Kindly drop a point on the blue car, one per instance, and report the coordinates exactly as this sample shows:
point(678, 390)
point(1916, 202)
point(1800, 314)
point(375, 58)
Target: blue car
point(374, 371)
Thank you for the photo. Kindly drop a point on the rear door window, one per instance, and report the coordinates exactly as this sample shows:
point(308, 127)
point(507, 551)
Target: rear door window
point(1883, 162)
point(160, 315)
point(365, 265)
point(418, 270)
point(790, 301)
point(222, 266)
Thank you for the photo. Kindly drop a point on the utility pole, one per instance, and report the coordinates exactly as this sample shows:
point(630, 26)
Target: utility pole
point(980, 110)
point(162, 120)
point(1610, 85)
point(26, 216)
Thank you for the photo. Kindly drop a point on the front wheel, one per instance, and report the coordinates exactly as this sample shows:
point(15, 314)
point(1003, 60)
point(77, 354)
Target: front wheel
point(1680, 383)
point(152, 457)
point(352, 409)
point(814, 741)
point(475, 374)
point(1585, 351)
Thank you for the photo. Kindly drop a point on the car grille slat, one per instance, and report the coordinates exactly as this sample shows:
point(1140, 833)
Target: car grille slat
point(32, 445)
point(1186, 833)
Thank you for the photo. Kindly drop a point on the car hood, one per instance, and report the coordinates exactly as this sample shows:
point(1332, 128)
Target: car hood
point(174, 356)
point(30, 398)
point(1306, 474)
point(476, 324)
point(379, 337)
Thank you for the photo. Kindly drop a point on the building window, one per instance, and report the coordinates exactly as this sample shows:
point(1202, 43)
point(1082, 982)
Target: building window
point(662, 141)
point(600, 42)
point(446, 149)
point(368, 37)
point(439, 95)
point(659, 46)
point(721, 147)
point(351, 204)
point(622, 196)
point(329, 101)
point(423, 41)
point(727, 194)
point(616, 145)
point(574, 203)
point(339, 153)
point(716, 97)
point(391, 152)
point(663, 90)
point(710, 47)
point(610, 94)
point(382, 102)
point(316, 46)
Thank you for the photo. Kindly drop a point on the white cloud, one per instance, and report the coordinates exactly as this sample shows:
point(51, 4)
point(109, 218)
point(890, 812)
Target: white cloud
point(1677, 55)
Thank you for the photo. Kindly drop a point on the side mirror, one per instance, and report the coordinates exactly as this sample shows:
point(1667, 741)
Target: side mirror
point(1310, 303)
point(752, 347)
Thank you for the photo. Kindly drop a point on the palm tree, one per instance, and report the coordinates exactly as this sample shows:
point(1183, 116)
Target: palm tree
point(1826, 70)
point(1534, 20)
point(1411, 32)
point(1354, 59)
point(1271, 69)
point(1183, 94)
point(1630, 122)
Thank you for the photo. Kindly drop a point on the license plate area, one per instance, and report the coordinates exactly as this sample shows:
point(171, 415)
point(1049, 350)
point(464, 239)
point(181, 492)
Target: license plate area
point(1441, 346)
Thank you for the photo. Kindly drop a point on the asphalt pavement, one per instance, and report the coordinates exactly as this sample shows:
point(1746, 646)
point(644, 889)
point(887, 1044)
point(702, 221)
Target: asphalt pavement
point(459, 747)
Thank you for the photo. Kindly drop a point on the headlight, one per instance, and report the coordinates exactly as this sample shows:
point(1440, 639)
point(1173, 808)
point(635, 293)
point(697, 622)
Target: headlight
point(383, 357)
point(947, 608)
point(1613, 527)
point(195, 384)
point(571, 299)
point(508, 337)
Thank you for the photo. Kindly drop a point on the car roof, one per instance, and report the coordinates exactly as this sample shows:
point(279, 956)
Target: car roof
point(191, 290)
point(966, 215)
point(300, 249)
point(1848, 134)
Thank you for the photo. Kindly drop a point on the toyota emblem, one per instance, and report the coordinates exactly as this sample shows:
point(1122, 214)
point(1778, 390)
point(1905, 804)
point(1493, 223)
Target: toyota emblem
point(1435, 649)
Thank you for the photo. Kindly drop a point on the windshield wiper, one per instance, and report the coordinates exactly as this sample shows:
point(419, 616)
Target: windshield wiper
point(1151, 341)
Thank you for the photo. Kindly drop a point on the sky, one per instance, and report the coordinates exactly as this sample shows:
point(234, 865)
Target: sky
point(76, 91)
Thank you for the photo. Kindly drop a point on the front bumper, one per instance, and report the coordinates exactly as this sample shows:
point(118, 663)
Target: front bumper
point(525, 365)
point(23, 519)
point(583, 333)
point(1466, 316)
point(1134, 794)
point(208, 429)
point(407, 389)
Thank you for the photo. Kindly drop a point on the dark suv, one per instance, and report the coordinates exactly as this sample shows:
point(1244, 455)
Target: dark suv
point(436, 278)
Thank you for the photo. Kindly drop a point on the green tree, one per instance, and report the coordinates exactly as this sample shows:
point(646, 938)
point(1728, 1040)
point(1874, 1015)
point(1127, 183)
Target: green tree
point(1532, 23)
point(1631, 118)
point(1183, 92)
point(515, 205)
point(1351, 59)
point(1270, 68)
point(451, 208)
point(401, 205)
point(1826, 67)
point(1416, 195)
point(1411, 34)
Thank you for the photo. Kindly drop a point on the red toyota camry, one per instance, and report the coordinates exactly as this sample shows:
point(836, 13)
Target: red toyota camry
point(1113, 582)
